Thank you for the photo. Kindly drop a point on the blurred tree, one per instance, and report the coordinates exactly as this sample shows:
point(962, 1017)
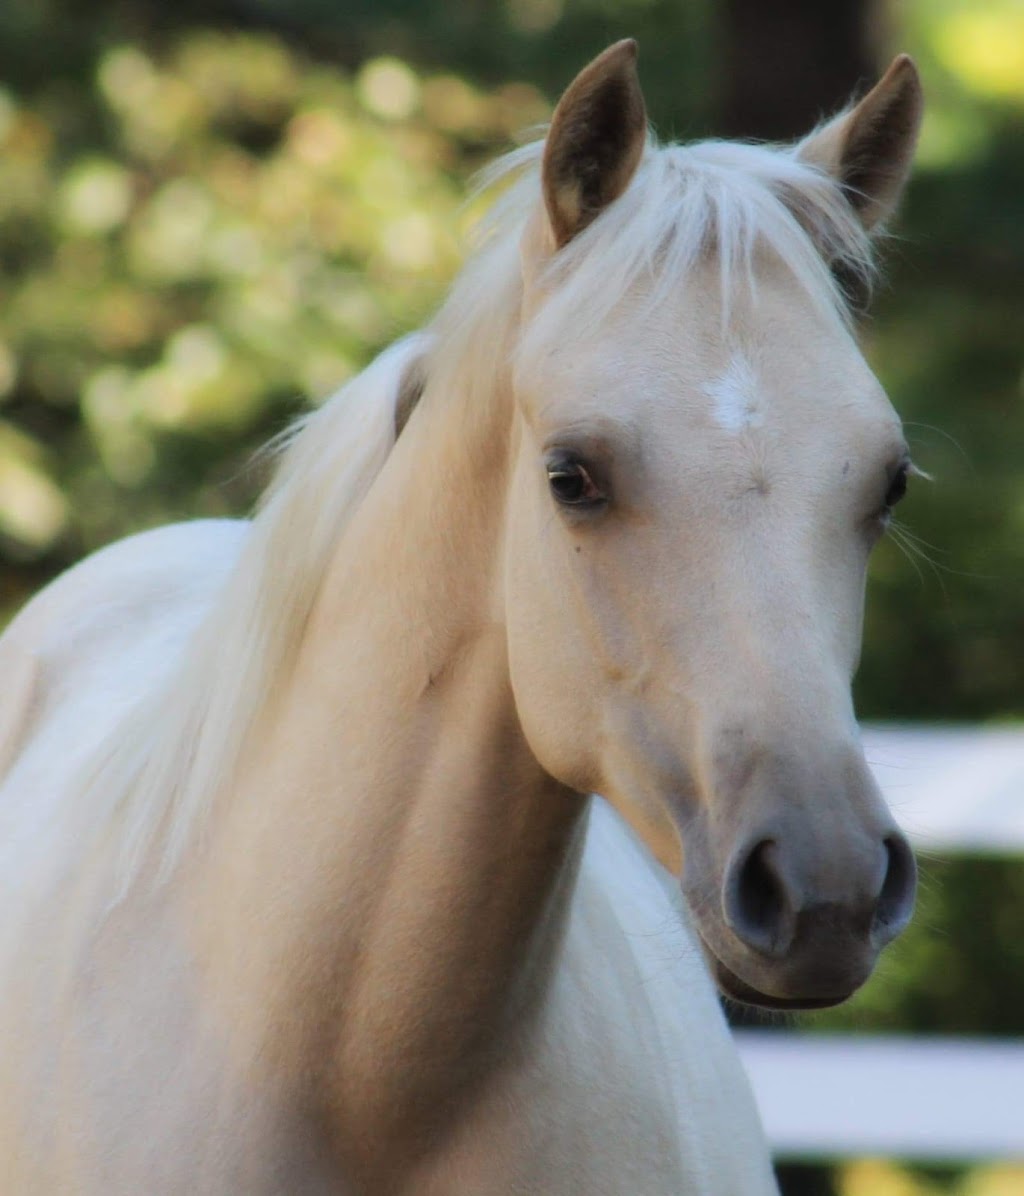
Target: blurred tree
point(789, 63)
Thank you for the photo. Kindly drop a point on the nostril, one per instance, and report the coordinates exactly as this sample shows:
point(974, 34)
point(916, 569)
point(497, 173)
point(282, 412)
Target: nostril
point(896, 899)
point(757, 905)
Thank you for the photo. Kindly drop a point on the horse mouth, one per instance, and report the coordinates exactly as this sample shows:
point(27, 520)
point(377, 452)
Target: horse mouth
point(735, 989)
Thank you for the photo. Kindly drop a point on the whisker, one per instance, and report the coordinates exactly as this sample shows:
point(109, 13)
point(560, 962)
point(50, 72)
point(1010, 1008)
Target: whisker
point(907, 551)
point(943, 433)
point(913, 536)
point(917, 545)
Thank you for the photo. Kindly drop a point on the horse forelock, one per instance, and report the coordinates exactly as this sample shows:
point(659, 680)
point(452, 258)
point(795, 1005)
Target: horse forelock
point(725, 203)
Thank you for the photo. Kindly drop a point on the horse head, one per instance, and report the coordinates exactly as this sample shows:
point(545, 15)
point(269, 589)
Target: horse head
point(703, 461)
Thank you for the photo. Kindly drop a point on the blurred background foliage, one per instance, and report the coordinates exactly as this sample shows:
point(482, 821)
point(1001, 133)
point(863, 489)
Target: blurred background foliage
point(212, 211)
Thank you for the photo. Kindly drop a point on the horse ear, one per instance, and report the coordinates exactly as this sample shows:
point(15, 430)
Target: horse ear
point(595, 142)
point(868, 150)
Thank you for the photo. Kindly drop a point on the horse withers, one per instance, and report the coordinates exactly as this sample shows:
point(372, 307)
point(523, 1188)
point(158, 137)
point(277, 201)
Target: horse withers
point(303, 891)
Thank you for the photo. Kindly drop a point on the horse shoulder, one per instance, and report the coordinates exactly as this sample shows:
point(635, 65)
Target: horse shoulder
point(99, 618)
point(660, 1008)
point(626, 1079)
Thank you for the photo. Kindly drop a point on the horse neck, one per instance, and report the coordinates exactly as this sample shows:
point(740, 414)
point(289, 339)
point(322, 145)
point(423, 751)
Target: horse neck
point(394, 868)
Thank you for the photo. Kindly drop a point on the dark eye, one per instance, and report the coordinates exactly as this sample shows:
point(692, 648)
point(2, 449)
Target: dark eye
point(898, 486)
point(572, 485)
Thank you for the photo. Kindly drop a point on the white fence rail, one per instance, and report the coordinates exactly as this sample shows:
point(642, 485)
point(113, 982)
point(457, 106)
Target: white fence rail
point(953, 790)
point(843, 1096)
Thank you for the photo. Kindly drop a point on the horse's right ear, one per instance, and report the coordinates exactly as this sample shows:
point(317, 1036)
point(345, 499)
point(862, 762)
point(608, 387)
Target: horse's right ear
point(595, 142)
point(868, 150)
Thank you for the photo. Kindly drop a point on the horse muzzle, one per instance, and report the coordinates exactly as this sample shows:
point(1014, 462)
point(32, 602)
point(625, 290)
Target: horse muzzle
point(796, 923)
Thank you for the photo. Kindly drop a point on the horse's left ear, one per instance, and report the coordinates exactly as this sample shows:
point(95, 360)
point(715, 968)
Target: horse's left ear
point(869, 149)
point(595, 142)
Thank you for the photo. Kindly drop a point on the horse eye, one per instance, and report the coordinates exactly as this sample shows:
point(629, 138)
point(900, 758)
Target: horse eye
point(571, 485)
point(898, 486)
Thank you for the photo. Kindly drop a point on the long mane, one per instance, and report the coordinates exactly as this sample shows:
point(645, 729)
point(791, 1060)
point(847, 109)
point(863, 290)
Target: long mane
point(158, 775)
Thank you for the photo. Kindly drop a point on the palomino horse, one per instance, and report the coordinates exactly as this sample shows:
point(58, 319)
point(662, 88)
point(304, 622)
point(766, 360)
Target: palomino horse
point(302, 891)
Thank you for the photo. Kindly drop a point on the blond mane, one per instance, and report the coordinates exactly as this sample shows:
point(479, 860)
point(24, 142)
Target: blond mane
point(181, 744)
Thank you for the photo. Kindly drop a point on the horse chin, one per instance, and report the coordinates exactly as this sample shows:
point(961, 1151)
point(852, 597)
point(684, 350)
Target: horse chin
point(736, 989)
point(731, 986)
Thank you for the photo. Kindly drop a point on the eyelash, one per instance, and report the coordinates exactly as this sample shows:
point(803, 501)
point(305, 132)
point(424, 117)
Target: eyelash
point(571, 484)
